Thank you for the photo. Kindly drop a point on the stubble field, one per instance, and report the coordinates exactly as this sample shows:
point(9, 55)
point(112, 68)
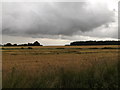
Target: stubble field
point(60, 67)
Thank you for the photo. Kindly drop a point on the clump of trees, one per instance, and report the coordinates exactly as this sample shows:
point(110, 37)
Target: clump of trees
point(78, 43)
point(8, 44)
point(36, 43)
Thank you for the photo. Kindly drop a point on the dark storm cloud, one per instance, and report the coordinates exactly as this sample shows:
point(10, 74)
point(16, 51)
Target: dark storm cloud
point(42, 19)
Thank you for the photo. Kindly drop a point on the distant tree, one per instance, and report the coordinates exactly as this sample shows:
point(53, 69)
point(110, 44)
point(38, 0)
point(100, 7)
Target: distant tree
point(24, 44)
point(8, 44)
point(30, 44)
point(36, 43)
point(14, 44)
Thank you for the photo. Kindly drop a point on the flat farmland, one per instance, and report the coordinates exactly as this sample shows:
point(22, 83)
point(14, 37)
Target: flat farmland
point(60, 66)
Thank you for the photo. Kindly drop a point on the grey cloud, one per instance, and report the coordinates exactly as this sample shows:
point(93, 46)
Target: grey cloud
point(49, 19)
point(119, 20)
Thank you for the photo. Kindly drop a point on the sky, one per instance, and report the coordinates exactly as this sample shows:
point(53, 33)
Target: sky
point(59, 23)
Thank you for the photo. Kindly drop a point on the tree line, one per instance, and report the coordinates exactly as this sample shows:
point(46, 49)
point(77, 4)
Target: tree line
point(36, 43)
point(78, 43)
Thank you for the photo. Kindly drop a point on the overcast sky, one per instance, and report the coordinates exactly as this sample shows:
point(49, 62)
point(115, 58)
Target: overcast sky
point(59, 23)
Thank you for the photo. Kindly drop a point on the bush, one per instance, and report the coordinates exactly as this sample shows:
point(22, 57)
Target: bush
point(30, 48)
point(108, 48)
point(22, 48)
point(60, 48)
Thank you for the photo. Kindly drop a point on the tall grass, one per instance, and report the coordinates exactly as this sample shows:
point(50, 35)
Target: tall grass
point(100, 75)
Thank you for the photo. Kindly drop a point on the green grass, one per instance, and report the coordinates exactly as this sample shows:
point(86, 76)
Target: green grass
point(100, 75)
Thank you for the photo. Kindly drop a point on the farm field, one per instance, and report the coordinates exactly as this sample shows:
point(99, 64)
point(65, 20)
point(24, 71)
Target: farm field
point(60, 66)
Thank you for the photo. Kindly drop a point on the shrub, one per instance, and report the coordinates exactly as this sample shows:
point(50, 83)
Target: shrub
point(107, 48)
point(22, 48)
point(60, 48)
point(30, 48)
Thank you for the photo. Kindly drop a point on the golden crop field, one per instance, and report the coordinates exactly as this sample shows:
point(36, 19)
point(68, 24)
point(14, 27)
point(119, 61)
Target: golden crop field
point(60, 66)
